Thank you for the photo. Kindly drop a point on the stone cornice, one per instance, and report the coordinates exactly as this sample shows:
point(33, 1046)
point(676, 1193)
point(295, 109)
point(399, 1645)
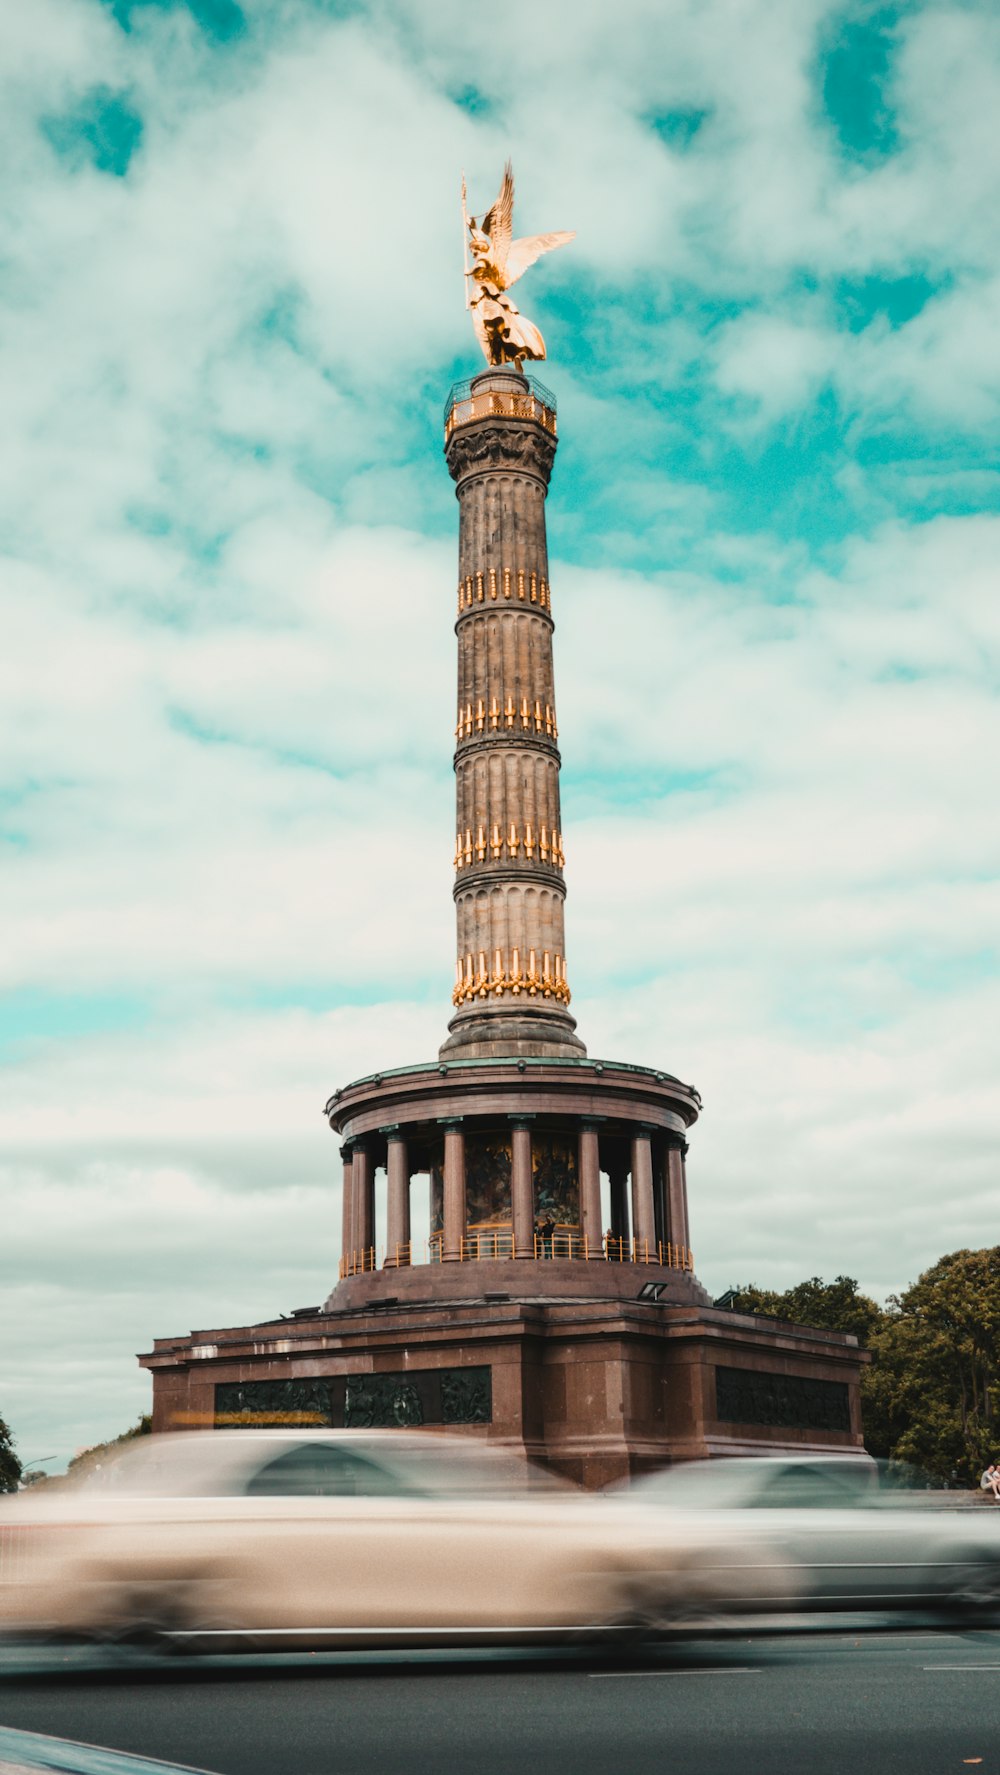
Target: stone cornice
point(522, 742)
point(502, 872)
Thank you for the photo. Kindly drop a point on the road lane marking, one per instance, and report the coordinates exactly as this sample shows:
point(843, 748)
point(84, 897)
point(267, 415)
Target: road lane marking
point(960, 1667)
point(730, 1670)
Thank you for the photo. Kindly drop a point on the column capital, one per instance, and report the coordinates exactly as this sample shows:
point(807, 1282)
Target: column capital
point(392, 1131)
point(592, 1124)
point(347, 1151)
point(646, 1128)
point(451, 1124)
point(522, 1121)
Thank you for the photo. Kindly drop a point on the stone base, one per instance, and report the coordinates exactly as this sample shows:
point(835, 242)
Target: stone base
point(597, 1389)
point(493, 1035)
point(524, 1279)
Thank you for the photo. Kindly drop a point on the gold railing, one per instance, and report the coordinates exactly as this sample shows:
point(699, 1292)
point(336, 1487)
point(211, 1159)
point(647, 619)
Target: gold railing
point(496, 1244)
point(484, 1244)
point(355, 1263)
point(487, 402)
point(400, 1257)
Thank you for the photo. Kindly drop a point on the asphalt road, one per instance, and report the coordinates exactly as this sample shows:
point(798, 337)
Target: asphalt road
point(839, 1704)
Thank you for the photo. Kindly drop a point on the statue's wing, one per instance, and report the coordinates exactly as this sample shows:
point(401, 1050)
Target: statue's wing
point(498, 221)
point(523, 253)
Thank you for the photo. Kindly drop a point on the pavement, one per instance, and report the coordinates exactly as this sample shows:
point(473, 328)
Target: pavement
point(841, 1702)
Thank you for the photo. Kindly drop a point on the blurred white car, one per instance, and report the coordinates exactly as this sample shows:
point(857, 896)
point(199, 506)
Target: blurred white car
point(222, 1540)
point(29, 1753)
point(844, 1535)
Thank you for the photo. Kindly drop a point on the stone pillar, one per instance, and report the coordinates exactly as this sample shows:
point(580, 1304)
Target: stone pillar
point(347, 1203)
point(454, 1191)
point(676, 1197)
point(522, 1194)
point(398, 1202)
point(684, 1196)
point(660, 1212)
point(364, 1197)
point(511, 993)
point(589, 1166)
point(643, 1222)
point(618, 1174)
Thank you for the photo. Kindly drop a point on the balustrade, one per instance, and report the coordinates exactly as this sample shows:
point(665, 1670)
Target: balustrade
point(496, 1245)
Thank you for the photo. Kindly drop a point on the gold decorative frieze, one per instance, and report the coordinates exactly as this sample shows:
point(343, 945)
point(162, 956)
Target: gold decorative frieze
point(497, 583)
point(504, 715)
point(493, 842)
point(476, 979)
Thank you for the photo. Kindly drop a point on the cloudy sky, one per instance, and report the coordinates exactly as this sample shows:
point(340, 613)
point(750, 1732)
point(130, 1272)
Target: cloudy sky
point(231, 310)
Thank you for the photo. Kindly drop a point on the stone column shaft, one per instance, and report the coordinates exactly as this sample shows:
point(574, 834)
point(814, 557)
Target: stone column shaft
point(364, 1197)
point(522, 1195)
point(660, 1213)
point(643, 1221)
point(619, 1200)
point(347, 1204)
point(677, 1197)
point(590, 1188)
point(398, 1200)
point(511, 993)
point(454, 1194)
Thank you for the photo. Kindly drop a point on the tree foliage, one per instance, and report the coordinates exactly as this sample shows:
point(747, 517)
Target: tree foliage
point(10, 1466)
point(102, 1451)
point(931, 1394)
point(829, 1306)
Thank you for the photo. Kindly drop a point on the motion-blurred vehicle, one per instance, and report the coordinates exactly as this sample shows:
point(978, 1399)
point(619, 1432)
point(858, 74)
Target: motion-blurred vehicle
point(24, 1752)
point(274, 1539)
point(846, 1532)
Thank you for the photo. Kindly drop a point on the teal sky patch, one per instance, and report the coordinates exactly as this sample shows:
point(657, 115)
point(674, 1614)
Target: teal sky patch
point(678, 128)
point(33, 1016)
point(473, 100)
point(103, 129)
point(855, 73)
point(862, 300)
point(221, 20)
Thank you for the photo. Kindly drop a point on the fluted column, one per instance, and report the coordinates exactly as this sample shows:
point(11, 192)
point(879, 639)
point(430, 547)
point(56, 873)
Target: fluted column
point(363, 1172)
point(618, 1176)
point(522, 1194)
point(589, 1164)
point(677, 1197)
point(511, 993)
point(643, 1220)
point(397, 1239)
point(660, 1212)
point(347, 1202)
point(454, 1191)
point(684, 1195)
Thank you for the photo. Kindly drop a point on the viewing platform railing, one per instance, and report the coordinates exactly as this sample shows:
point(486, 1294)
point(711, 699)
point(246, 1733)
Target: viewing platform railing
point(497, 1244)
point(465, 404)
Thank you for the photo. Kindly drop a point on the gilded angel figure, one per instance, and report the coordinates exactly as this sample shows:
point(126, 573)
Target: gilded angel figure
point(497, 262)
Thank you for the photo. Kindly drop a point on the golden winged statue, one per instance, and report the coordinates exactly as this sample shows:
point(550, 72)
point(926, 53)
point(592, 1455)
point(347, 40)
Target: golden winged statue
point(497, 262)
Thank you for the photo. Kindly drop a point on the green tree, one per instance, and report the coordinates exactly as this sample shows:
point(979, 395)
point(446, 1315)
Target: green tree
point(102, 1451)
point(10, 1466)
point(932, 1395)
point(829, 1306)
